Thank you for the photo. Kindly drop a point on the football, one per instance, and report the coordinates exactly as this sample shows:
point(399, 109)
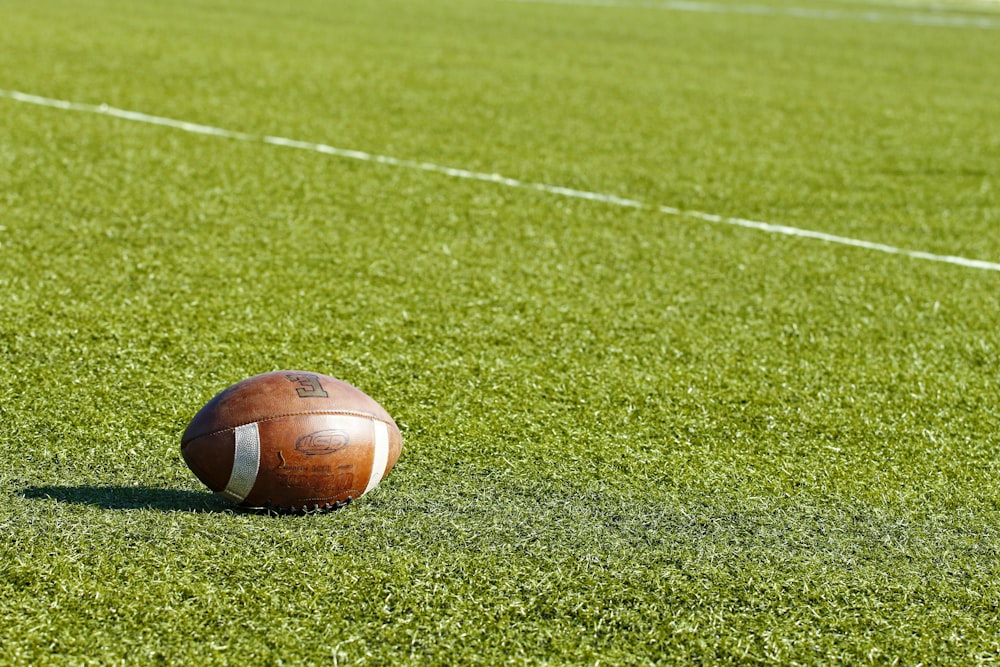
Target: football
point(291, 441)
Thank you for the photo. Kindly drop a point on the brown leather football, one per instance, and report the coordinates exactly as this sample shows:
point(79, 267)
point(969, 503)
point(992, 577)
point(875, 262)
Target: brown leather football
point(293, 441)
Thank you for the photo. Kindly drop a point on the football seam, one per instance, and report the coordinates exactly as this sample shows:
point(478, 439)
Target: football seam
point(304, 507)
point(352, 413)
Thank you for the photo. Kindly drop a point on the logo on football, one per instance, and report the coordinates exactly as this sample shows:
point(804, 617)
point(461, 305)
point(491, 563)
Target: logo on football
point(322, 442)
point(291, 440)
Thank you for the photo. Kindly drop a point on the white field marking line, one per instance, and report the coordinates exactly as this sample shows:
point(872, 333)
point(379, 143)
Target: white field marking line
point(768, 227)
point(936, 20)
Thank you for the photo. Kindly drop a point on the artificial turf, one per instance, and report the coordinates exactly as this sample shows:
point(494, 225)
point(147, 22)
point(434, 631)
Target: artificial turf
point(629, 437)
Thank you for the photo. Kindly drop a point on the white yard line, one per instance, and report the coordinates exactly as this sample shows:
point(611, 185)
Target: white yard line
point(935, 19)
point(614, 200)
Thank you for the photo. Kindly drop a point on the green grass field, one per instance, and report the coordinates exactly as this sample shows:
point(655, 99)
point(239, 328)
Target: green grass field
point(630, 437)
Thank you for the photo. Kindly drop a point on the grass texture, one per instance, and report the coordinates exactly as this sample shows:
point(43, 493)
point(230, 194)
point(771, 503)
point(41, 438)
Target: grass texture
point(629, 438)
